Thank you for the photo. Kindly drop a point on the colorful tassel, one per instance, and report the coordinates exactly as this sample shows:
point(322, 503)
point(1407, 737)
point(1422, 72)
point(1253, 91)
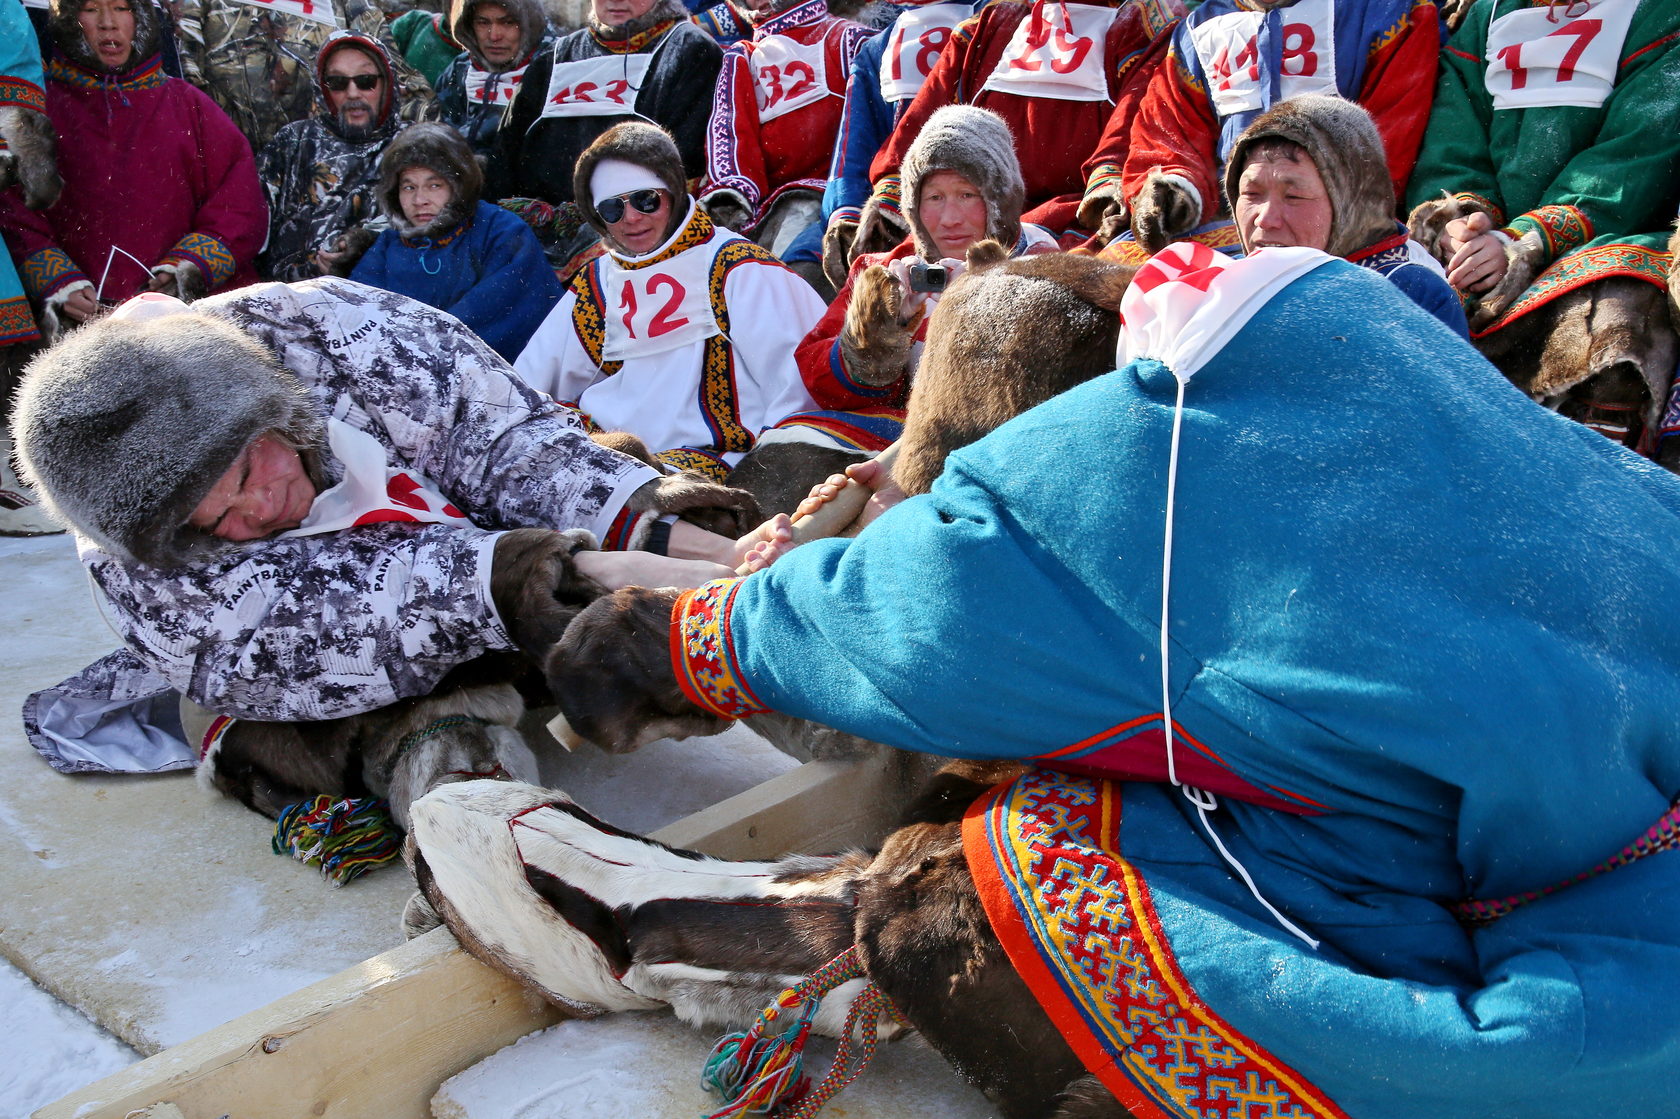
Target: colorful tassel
point(757, 1072)
point(345, 836)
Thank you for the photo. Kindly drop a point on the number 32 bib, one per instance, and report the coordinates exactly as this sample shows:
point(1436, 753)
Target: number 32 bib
point(660, 307)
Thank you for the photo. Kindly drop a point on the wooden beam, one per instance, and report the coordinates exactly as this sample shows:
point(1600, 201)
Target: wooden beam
point(377, 1039)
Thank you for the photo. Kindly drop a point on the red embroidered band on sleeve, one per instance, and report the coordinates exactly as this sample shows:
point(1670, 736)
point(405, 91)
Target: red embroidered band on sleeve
point(702, 653)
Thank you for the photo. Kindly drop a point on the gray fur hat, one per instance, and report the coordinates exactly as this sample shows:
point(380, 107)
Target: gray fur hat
point(67, 32)
point(124, 426)
point(445, 152)
point(645, 145)
point(976, 144)
point(1342, 141)
point(529, 14)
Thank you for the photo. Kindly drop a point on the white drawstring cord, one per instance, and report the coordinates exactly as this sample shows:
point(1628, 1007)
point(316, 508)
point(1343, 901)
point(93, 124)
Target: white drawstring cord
point(110, 259)
point(1203, 800)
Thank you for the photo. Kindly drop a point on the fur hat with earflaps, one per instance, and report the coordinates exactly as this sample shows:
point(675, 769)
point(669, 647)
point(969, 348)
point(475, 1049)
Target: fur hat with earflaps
point(976, 144)
point(529, 14)
point(444, 152)
point(66, 31)
point(644, 146)
point(124, 427)
point(1342, 141)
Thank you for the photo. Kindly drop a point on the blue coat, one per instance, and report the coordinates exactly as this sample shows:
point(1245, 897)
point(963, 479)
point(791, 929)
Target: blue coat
point(1417, 645)
point(489, 272)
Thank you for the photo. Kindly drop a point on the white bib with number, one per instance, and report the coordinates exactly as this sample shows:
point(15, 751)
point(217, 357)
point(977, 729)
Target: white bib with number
point(1228, 47)
point(787, 75)
point(481, 90)
point(1561, 55)
point(658, 308)
point(913, 47)
point(596, 87)
point(321, 11)
point(1059, 51)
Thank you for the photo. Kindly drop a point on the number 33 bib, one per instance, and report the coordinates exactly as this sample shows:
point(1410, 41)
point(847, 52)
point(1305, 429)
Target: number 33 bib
point(658, 308)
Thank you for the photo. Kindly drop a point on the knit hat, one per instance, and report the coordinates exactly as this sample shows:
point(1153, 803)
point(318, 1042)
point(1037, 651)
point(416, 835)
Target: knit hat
point(444, 152)
point(126, 425)
point(529, 14)
point(646, 145)
point(1342, 141)
point(66, 29)
point(976, 144)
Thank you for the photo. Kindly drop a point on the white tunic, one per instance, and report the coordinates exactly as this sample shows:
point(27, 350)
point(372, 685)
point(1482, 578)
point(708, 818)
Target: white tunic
point(657, 315)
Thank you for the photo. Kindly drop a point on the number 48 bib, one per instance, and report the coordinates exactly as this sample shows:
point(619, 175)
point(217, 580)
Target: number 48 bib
point(1564, 54)
point(660, 307)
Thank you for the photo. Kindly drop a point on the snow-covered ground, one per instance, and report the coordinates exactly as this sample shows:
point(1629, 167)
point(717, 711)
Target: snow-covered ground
point(48, 1050)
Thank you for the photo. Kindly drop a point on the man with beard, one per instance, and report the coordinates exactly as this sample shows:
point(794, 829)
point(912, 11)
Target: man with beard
point(322, 174)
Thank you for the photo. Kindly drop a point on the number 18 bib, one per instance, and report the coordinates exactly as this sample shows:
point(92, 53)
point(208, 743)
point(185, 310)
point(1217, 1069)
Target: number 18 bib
point(1565, 54)
point(1059, 51)
point(913, 47)
point(658, 308)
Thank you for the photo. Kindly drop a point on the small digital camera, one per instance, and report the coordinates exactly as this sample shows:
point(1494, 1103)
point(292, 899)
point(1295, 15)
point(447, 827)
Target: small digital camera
point(928, 277)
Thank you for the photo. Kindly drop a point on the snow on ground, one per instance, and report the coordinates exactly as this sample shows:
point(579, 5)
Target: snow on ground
point(48, 1050)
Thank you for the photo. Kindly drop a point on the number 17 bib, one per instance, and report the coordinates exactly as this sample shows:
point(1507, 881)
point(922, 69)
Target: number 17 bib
point(1565, 54)
point(658, 308)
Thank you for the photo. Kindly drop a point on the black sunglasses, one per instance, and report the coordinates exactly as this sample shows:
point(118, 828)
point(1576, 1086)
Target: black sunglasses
point(338, 83)
point(612, 209)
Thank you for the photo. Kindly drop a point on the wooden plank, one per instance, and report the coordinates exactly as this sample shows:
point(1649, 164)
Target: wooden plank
point(377, 1040)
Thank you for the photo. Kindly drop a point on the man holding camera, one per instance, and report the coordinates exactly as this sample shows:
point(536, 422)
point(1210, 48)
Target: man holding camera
point(681, 333)
point(961, 185)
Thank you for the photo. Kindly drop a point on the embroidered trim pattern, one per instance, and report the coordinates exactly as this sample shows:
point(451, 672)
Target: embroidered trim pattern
point(16, 323)
point(1563, 227)
point(887, 190)
point(1664, 835)
point(719, 402)
point(214, 733)
point(702, 654)
point(1077, 922)
point(1583, 267)
point(636, 43)
point(212, 257)
point(698, 231)
point(46, 270)
point(1102, 175)
point(589, 318)
point(147, 75)
point(870, 430)
point(26, 95)
point(695, 462)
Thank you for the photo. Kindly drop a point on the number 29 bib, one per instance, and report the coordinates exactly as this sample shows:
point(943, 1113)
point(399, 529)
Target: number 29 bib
point(660, 307)
point(1561, 55)
point(1060, 52)
point(596, 87)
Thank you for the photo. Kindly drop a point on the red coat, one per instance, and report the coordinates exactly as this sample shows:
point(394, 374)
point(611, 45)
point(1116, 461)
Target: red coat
point(1054, 136)
point(152, 167)
point(777, 107)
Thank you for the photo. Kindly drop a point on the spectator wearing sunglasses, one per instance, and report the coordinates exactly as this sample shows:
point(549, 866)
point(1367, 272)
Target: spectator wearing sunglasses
point(322, 174)
point(682, 333)
point(449, 249)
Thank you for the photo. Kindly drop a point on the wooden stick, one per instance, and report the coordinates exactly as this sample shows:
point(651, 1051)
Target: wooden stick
point(836, 514)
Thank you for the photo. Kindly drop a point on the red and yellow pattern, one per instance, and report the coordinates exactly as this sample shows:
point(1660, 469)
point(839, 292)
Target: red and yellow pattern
point(1584, 267)
point(16, 323)
point(1078, 924)
point(1562, 227)
point(21, 93)
point(702, 655)
point(208, 254)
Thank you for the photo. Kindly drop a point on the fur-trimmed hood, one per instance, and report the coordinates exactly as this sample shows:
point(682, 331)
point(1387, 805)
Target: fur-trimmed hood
point(646, 145)
point(529, 14)
point(663, 11)
point(68, 38)
point(1344, 145)
point(347, 40)
point(976, 144)
point(125, 426)
point(443, 151)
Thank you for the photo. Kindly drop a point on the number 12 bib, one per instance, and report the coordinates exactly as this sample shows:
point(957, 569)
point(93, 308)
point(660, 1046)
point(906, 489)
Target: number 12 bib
point(1059, 51)
point(658, 308)
point(1568, 55)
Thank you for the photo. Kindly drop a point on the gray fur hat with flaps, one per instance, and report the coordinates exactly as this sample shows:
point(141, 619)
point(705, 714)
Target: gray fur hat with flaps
point(125, 426)
point(62, 21)
point(976, 144)
point(529, 14)
point(444, 152)
point(645, 145)
point(1342, 141)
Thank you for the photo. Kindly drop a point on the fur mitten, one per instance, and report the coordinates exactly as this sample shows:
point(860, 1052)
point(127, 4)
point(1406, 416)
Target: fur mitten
point(874, 344)
point(880, 229)
point(537, 588)
point(1525, 259)
point(30, 156)
point(1428, 222)
point(837, 243)
point(185, 280)
point(718, 508)
point(728, 209)
point(1165, 208)
point(349, 247)
point(1100, 203)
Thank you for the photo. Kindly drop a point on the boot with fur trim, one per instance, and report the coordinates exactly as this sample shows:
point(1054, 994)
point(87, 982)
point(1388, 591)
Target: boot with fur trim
point(29, 155)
